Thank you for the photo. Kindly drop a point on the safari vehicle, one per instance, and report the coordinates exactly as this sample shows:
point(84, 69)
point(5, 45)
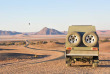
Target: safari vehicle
point(82, 45)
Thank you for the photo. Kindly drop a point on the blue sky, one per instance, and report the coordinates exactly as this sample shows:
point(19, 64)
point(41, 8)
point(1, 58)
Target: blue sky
point(58, 14)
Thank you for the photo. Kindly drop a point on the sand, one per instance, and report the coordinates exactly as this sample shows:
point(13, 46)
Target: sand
point(50, 60)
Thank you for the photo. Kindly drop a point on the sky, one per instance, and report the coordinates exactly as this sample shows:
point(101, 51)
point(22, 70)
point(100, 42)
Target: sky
point(15, 15)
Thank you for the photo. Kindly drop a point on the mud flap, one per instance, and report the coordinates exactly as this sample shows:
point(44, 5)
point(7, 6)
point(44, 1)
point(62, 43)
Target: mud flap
point(68, 62)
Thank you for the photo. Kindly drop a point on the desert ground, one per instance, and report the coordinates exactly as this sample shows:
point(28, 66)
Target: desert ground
point(46, 56)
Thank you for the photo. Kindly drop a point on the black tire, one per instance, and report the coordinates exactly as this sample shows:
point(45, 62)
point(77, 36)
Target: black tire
point(90, 39)
point(75, 39)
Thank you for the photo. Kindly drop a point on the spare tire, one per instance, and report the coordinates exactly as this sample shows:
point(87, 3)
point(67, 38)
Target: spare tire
point(74, 39)
point(90, 39)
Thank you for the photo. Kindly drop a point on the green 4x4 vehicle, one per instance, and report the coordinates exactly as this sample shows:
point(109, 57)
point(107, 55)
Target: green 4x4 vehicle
point(82, 45)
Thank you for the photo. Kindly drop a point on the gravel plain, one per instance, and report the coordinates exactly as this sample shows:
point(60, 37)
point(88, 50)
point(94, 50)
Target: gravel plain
point(54, 63)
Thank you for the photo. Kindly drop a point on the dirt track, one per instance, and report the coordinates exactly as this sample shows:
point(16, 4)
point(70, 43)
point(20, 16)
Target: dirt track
point(55, 63)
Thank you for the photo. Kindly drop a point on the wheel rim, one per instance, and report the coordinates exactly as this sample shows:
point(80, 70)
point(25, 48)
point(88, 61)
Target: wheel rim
point(90, 38)
point(73, 39)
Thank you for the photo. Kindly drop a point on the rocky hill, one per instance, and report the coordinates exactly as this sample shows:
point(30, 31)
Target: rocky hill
point(48, 31)
point(103, 33)
point(9, 32)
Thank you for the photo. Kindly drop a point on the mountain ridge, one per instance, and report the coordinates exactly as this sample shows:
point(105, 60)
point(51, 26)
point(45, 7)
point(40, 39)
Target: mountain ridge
point(9, 32)
point(49, 31)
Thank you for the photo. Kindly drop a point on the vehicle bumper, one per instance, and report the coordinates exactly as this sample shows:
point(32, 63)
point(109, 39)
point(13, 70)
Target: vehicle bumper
point(83, 53)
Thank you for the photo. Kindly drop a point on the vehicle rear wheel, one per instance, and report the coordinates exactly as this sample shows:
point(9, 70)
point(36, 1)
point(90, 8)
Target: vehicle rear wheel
point(90, 39)
point(94, 64)
point(68, 62)
point(74, 39)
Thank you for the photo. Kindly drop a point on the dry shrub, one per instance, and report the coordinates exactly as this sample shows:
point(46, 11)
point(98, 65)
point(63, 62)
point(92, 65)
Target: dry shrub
point(13, 43)
point(7, 43)
point(10, 43)
point(41, 42)
point(51, 41)
point(32, 43)
point(3, 43)
point(44, 42)
point(20, 43)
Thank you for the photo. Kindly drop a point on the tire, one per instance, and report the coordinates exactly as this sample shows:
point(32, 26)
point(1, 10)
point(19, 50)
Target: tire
point(74, 39)
point(68, 62)
point(94, 65)
point(90, 39)
point(68, 65)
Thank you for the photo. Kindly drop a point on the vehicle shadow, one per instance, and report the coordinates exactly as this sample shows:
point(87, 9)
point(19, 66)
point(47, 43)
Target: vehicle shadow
point(104, 60)
point(108, 65)
point(104, 66)
point(59, 43)
point(7, 49)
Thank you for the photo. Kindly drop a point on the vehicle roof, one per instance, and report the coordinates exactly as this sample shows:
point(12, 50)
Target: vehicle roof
point(81, 28)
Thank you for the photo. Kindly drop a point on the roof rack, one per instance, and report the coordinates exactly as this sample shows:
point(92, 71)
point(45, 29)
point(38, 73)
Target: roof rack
point(81, 25)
